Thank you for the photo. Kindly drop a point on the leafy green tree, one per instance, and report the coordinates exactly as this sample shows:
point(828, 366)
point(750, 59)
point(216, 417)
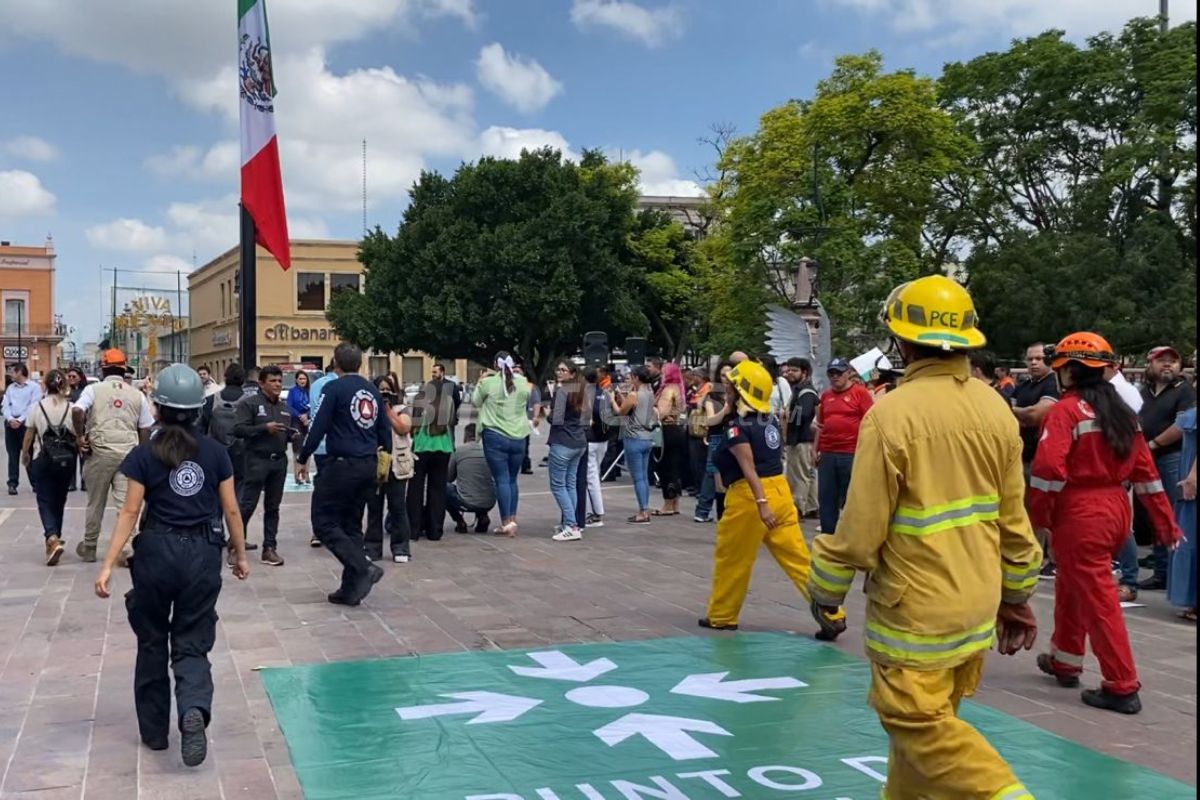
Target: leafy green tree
point(521, 255)
point(1077, 208)
point(848, 179)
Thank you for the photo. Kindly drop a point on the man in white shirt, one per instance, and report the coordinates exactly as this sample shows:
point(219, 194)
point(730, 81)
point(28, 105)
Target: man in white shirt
point(21, 397)
point(111, 418)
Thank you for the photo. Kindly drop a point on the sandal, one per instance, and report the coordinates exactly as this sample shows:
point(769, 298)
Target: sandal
point(1188, 614)
point(657, 513)
point(508, 529)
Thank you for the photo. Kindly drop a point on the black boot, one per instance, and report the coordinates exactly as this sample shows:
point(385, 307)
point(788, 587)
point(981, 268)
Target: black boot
point(1121, 703)
point(482, 523)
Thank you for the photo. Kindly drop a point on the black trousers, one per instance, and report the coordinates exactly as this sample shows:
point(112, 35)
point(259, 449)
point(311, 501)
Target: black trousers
point(673, 468)
point(391, 495)
point(266, 477)
point(340, 494)
point(13, 440)
point(697, 461)
point(172, 609)
point(51, 485)
point(427, 495)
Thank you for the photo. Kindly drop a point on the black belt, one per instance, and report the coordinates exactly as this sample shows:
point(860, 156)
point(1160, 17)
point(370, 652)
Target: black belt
point(268, 456)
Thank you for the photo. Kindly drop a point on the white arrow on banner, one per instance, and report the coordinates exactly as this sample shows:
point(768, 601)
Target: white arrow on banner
point(713, 686)
point(669, 734)
point(490, 706)
point(557, 666)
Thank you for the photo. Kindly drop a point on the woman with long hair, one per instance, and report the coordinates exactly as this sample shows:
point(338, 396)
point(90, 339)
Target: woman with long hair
point(500, 398)
point(52, 470)
point(1089, 450)
point(299, 400)
point(176, 565)
point(718, 408)
point(637, 434)
point(76, 381)
point(388, 507)
point(671, 404)
point(568, 444)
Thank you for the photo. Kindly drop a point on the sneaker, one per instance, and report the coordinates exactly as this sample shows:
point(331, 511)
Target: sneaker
point(1048, 571)
point(699, 518)
point(54, 550)
point(85, 552)
point(568, 534)
point(1146, 561)
point(194, 742)
point(593, 521)
point(1121, 703)
point(271, 558)
point(400, 559)
point(314, 542)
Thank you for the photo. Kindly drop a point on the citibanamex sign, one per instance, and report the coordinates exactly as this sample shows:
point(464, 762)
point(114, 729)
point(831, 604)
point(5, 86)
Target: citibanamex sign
point(286, 333)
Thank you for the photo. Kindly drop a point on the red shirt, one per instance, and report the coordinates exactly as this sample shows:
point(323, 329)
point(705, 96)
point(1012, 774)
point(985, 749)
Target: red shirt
point(841, 415)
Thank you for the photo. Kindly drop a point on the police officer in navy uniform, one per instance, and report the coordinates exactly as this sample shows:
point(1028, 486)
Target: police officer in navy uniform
point(355, 428)
point(182, 476)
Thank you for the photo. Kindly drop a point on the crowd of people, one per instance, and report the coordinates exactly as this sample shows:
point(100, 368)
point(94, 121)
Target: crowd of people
point(952, 485)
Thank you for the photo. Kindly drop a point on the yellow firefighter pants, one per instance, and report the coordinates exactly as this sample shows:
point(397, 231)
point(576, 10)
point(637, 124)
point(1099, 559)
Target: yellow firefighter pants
point(935, 755)
point(740, 531)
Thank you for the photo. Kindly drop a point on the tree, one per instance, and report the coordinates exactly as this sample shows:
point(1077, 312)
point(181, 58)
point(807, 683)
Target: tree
point(1063, 206)
point(520, 255)
point(846, 178)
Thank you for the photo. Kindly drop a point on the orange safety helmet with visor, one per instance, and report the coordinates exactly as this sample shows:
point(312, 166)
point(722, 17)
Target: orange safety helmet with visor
point(1089, 349)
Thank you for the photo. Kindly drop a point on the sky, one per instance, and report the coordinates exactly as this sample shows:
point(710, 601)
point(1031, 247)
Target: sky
point(120, 137)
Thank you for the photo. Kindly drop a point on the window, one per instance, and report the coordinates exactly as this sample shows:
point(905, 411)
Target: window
point(412, 369)
point(15, 316)
point(310, 291)
point(341, 281)
point(378, 365)
point(224, 305)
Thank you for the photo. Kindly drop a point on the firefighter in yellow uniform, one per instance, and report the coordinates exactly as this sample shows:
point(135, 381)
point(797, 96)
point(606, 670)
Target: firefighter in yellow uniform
point(935, 516)
point(759, 507)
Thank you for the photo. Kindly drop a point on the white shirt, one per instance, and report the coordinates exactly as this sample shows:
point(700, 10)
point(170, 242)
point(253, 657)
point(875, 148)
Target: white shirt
point(1131, 396)
point(88, 397)
point(781, 395)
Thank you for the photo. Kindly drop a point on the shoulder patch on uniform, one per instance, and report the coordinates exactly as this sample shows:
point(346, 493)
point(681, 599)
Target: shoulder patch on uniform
point(734, 432)
point(187, 479)
point(771, 435)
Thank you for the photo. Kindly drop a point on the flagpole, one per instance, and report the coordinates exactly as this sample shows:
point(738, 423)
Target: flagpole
point(248, 288)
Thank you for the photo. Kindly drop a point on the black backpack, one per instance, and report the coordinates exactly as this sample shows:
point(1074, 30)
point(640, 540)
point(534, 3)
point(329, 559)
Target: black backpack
point(58, 443)
point(224, 417)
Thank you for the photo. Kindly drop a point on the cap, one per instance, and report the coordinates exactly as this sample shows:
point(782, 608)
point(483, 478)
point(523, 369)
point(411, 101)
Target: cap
point(112, 358)
point(1164, 350)
point(838, 365)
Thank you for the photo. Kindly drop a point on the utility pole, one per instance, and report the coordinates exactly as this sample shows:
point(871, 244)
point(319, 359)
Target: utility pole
point(248, 307)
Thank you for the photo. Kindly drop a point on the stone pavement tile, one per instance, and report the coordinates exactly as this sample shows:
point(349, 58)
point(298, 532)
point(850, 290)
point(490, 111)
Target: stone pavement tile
point(49, 756)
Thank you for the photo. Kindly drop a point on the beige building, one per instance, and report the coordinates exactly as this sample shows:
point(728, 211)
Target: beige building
point(292, 328)
point(29, 330)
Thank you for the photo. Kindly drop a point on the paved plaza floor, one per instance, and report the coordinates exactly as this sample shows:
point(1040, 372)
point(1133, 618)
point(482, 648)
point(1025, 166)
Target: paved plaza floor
point(67, 727)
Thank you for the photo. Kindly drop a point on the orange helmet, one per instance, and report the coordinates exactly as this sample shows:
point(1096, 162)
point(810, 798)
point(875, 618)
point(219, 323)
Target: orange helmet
point(1089, 349)
point(112, 357)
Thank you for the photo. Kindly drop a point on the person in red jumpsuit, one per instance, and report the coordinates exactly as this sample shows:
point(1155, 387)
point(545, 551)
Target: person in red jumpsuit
point(1089, 453)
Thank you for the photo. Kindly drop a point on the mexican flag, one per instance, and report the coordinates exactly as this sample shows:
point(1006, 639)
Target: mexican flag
point(262, 186)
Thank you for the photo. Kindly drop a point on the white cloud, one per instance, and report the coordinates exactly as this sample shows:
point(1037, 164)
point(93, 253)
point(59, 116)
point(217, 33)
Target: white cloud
point(323, 118)
point(30, 148)
point(658, 175)
point(165, 262)
point(502, 142)
point(127, 236)
point(22, 193)
point(185, 39)
point(521, 82)
point(966, 20)
point(651, 27)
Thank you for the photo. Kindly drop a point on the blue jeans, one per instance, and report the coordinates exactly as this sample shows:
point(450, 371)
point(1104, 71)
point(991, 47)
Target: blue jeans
point(503, 456)
point(833, 484)
point(564, 469)
point(1127, 557)
point(637, 459)
point(1168, 473)
point(708, 485)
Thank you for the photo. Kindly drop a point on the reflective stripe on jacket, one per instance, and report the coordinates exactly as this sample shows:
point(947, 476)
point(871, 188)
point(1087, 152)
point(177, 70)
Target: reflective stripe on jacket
point(936, 515)
point(1073, 455)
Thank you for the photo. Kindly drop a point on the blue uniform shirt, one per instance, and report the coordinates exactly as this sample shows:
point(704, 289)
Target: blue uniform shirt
point(351, 419)
point(761, 432)
point(183, 497)
point(315, 400)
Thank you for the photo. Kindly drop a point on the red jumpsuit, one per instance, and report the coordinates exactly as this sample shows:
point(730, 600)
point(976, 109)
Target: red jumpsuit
point(1079, 491)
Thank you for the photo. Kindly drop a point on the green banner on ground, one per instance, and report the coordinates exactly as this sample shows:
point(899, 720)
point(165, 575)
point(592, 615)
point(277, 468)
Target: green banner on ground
point(749, 715)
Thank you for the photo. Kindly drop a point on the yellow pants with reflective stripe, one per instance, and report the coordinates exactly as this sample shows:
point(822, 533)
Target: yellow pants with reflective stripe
point(934, 755)
point(740, 532)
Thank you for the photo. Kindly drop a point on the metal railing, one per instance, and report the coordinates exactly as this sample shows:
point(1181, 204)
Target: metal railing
point(12, 330)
